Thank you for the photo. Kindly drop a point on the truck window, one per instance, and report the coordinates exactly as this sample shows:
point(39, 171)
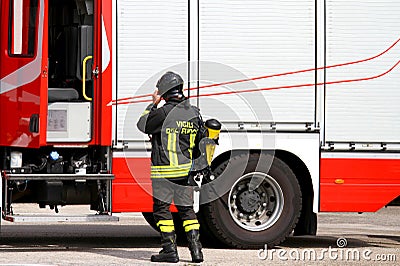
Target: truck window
point(22, 27)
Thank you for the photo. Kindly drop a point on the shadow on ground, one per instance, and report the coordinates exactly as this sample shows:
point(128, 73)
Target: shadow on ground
point(76, 236)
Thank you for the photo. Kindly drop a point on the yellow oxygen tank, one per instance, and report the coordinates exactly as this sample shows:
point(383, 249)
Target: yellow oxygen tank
point(213, 127)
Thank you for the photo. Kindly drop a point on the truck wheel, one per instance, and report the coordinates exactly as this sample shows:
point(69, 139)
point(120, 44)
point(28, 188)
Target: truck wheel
point(148, 216)
point(262, 205)
point(207, 237)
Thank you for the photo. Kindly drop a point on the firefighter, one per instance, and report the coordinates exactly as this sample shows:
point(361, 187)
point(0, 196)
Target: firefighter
point(174, 131)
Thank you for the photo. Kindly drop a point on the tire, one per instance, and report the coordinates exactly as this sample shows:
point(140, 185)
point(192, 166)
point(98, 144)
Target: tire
point(148, 216)
point(251, 218)
point(207, 237)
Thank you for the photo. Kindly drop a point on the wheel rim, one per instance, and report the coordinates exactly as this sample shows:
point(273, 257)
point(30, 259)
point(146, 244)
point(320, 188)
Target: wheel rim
point(255, 201)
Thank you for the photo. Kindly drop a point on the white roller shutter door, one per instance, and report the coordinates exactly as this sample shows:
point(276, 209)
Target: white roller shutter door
point(257, 38)
point(369, 110)
point(152, 37)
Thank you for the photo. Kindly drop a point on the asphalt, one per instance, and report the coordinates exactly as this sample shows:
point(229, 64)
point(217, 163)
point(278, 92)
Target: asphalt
point(342, 239)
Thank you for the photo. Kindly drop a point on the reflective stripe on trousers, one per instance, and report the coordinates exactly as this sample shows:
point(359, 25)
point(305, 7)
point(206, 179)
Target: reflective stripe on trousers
point(189, 225)
point(166, 226)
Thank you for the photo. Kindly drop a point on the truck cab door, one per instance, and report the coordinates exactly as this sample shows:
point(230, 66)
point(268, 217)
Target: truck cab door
point(23, 73)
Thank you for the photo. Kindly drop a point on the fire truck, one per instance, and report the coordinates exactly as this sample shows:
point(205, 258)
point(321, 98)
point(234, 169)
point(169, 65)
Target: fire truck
point(307, 92)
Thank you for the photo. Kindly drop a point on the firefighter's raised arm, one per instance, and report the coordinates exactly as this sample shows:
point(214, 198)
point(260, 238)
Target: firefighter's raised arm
point(152, 118)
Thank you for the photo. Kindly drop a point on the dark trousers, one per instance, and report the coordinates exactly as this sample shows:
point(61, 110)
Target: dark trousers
point(164, 191)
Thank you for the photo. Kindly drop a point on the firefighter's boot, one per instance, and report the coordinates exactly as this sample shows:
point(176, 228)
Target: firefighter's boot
point(169, 252)
point(193, 237)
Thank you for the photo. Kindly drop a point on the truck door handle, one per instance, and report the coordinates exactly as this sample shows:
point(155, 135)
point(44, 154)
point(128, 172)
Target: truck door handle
point(84, 78)
point(34, 123)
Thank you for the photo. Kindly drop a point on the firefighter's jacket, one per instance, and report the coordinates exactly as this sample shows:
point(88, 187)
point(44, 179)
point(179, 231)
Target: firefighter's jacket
point(173, 129)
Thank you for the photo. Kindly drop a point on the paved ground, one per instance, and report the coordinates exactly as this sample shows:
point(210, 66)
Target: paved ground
point(372, 238)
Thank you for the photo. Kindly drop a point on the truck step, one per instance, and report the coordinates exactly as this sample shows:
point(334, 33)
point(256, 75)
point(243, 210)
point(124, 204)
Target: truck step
point(31, 218)
point(11, 176)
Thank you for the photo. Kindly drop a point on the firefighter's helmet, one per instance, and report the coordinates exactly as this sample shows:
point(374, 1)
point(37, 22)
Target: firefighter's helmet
point(170, 84)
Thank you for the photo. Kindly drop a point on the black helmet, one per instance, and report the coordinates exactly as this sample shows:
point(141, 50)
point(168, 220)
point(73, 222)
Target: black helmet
point(170, 82)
